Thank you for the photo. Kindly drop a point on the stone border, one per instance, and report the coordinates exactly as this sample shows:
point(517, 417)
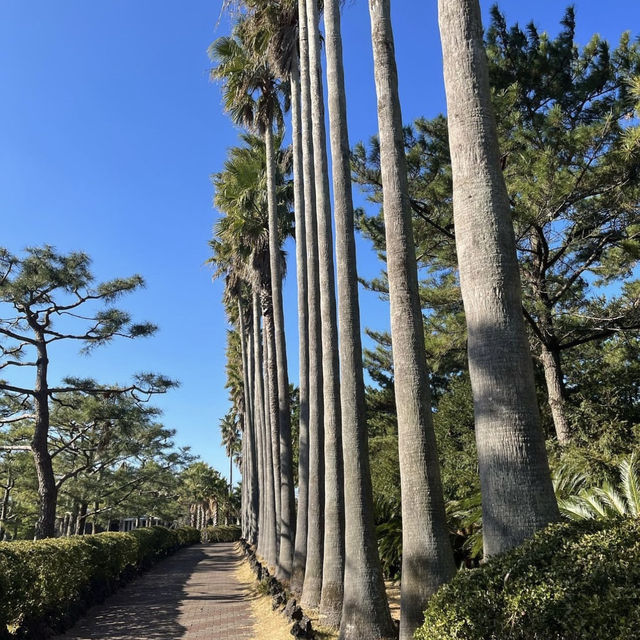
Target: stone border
point(281, 599)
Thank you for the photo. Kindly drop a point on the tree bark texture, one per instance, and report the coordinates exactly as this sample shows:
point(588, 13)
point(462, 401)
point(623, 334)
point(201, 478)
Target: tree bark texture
point(554, 378)
point(300, 552)
point(260, 418)
point(47, 489)
point(427, 557)
point(333, 560)
point(286, 511)
point(365, 611)
point(272, 443)
point(517, 495)
point(312, 586)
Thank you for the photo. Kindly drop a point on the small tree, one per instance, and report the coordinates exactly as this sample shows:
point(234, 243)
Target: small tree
point(53, 298)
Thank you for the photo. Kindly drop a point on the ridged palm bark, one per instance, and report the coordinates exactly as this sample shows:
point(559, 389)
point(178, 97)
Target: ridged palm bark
point(271, 432)
point(300, 552)
point(517, 494)
point(284, 470)
point(258, 414)
point(365, 613)
point(249, 474)
point(254, 451)
point(246, 420)
point(427, 557)
point(312, 585)
point(333, 561)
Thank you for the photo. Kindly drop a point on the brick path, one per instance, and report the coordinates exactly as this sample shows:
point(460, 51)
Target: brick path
point(193, 595)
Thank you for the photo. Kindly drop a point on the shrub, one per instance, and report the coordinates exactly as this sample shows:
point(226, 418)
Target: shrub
point(572, 581)
point(46, 584)
point(222, 533)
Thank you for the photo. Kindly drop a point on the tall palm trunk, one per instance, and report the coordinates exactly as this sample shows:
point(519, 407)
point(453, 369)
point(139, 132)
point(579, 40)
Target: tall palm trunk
point(272, 405)
point(286, 510)
point(365, 613)
point(260, 427)
point(427, 557)
point(312, 586)
point(517, 496)
point(272, 444)
point(333, 561)
point(253, 446)
point(300, 552)
point(249, 479)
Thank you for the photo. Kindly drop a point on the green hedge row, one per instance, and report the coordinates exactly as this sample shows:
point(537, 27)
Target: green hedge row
point(45, 585)
point(578, 581)
point(222, 533)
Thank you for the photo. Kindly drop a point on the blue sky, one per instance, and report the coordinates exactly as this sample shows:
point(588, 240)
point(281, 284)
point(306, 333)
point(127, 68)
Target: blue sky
point(109, 131)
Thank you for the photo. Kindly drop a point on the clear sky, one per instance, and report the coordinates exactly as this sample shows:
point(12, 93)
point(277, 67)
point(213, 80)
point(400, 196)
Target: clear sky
point(110, 129)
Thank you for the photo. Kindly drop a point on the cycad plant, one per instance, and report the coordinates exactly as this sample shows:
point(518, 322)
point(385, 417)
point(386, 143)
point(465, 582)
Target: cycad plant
point(607, 501)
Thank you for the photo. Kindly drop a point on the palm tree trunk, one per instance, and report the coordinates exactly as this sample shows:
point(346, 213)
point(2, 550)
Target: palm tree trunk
point(272, 444)
point(333, 561)
point(249, 480)
point(427, 557)
point(260, 426)
point(312, 586)
point(365, 612)
point(253, 447)
point(300, 552)
point(517, 495)
point(286, 510)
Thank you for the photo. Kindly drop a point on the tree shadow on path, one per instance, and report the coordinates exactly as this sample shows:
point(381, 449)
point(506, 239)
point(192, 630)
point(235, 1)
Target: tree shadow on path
point(187, 595)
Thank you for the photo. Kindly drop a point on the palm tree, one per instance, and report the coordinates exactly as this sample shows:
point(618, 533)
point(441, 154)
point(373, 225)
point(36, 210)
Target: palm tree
point(331, 595)
point(365, 612)
point(517, 494)
point(231, 441)
point(252, 97)
point(427, 557)
point(308, 579)
point(241, 239)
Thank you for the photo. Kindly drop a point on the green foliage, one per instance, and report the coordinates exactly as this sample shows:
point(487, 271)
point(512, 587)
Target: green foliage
point(47, 582)
point(606, 501)
point(573, 581)
point(222, 533)
point(570, 142)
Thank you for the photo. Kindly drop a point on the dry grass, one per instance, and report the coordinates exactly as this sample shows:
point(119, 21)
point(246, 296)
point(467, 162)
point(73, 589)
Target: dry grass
point(393, 595)
point(322, 633)
point(272, 625)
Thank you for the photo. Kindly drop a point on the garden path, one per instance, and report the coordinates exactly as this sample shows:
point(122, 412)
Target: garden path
point(193, 595)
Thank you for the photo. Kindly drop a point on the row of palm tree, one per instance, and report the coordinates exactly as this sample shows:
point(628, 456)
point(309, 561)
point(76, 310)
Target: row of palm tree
point(327, 550)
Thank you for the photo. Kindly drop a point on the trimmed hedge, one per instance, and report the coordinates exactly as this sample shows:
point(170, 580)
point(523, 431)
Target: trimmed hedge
point(577, 581)
point(45, 585)
point(222, 533)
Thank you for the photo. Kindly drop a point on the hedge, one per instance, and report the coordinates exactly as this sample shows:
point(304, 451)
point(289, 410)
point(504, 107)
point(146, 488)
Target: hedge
point(45, 585)
point(222, 533)
point(577, 581)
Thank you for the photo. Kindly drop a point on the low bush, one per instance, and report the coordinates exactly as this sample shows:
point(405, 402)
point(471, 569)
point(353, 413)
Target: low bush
point(222, 533)
point(572, 581)
point(45, 585)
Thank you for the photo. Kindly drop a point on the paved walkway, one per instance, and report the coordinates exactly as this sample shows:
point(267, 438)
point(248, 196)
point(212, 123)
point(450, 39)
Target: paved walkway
point(193, 595)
